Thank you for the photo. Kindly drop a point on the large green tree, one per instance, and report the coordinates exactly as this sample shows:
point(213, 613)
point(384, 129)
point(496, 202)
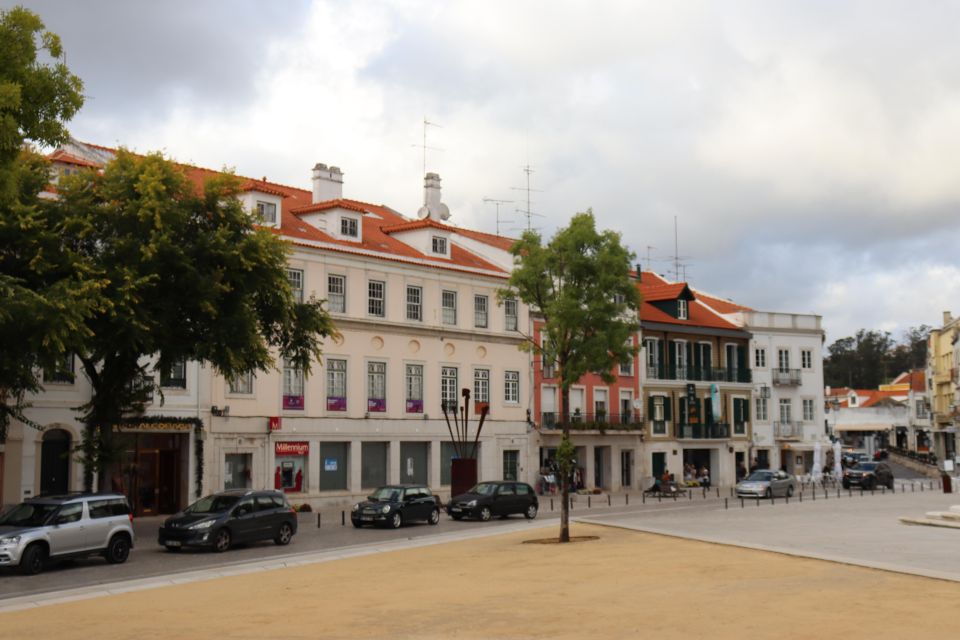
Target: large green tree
point(188, 277)
point(579, 286)
point(44, 291)
point(870, 358)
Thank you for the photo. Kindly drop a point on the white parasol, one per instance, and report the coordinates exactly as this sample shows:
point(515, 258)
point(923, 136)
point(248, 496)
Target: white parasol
point(817, 470)
point(837, 467)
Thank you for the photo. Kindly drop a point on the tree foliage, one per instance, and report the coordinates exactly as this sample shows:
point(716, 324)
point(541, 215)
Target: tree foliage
point(188, 277)
point(579, 284)
point(871, 358)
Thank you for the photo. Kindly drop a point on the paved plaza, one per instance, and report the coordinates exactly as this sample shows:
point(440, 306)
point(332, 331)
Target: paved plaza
point(486, 583)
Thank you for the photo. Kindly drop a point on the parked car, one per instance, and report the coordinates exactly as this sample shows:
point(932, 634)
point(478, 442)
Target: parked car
point(851, 458)
point(767, 484)
point(223, 519)
point(868, 475)
point(392, 505)
point(489, 499)
point(66, 526)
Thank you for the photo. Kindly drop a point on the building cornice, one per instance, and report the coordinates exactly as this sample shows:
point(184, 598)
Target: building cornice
point(409, 329)
point(690, 330)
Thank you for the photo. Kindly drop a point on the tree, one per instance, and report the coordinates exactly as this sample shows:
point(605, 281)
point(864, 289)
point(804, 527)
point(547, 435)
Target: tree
point(871, 358)
point(580, 286)
point(188, 277)
point(44, 291)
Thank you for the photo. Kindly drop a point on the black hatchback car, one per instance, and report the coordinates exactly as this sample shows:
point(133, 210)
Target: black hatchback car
point(501, 498)
point(222, 519)
point(868, 475)
point(392, 505)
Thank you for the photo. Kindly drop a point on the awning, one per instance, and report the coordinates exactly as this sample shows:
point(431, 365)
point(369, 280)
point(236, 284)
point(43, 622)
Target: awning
point(866, 426)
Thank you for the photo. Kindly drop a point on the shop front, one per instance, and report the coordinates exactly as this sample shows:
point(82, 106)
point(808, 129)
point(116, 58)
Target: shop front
point(153, 465)
point(290, 460)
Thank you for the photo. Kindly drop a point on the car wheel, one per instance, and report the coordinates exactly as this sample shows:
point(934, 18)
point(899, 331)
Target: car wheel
point(434, 517)
point(790, 491)
point(485, 514)
point(769, 494)
point(284, 535)
point(396, 521)
point(118, 550)
point(222, 541)
point(531, 512)
point(172, 549)
point(32, 560)
point(846, 485)
point(357, 524)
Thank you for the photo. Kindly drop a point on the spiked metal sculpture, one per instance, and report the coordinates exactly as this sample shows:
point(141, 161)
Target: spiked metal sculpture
point(463, 468)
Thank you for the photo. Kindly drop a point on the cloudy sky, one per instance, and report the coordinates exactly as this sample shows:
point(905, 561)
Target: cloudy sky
point(806, 150)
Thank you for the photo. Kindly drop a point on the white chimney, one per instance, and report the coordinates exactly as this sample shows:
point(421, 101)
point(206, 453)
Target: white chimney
point(432, 207)
point(947, 318)
point(327, 183)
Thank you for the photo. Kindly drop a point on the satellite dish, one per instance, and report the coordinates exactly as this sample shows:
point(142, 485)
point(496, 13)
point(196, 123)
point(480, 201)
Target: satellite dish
point(423, 212)
point(444, 212)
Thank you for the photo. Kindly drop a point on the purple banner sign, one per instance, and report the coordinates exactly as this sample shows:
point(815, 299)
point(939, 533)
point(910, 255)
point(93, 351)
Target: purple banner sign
point(376, 404)
point(414, 406)
point(336, 404)
point(293, 402)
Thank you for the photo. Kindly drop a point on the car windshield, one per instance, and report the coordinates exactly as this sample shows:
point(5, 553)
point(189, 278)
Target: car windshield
point(484, 489)
point(759, 476)
point(28, 515)
point(866, 466)
point(212, 504)
point(385, 494)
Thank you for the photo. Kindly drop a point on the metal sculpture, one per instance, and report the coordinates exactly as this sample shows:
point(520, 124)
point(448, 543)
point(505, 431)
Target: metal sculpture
point(463, 467)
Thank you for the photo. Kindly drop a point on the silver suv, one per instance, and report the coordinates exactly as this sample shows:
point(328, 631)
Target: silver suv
point(66, 526)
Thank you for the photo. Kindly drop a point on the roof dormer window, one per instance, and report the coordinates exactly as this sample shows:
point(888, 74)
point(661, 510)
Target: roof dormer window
point(267, 212)
point(682, 309)
point(348, 227)
point(440, 245)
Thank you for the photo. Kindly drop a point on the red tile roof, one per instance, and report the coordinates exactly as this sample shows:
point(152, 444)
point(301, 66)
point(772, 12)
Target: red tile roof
point(657, 293)
point(68, 158)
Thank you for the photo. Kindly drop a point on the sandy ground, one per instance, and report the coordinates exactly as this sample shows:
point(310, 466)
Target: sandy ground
point(624, 585)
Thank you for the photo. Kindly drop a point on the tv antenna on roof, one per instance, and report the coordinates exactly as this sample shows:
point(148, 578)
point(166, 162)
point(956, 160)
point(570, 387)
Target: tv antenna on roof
point(423, 146)
point(498, 203)
point(528, 212)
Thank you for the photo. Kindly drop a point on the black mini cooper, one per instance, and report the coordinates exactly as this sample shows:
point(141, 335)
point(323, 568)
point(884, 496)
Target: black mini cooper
point(392, 505)
point(489, 499)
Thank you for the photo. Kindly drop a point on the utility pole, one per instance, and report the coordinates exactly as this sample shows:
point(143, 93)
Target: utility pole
point(497, 203)
point(528, 212)
point(423, 146)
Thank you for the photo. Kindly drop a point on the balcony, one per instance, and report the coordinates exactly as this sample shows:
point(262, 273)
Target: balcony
point(788, 430)
point(786, 377)
point(715, 431)
point(698, 374)
point(592, 421)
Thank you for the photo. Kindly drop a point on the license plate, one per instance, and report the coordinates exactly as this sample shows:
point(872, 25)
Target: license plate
point(367, 518)
point(456, 509)
point(172, 543)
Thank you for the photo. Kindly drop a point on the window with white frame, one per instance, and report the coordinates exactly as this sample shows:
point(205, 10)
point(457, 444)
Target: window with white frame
point(337, 293)
point(242, 384)
point(448, 388)
point(481, 386)
point(375, 298)
point(806, 359)
point(659, 415)
point(652, 348)
point(292, 386)
point(511, 387)
point(680, 357)
point(448, 306)
point(480, 311)
point(762, 409)
point(175, 375)
point(786, 409)
point(783, 359)
point(295, 277)
point(414, 303)
point(267, 212)
point(336, 385)
point(682, 309)
point(510, 314)
point(377, 386)
point(414, 388)
point(759, 358)
point(626, 367)
point(808, 409)
point(61, 372)
point(348, 227)
point(922, 409)
point(440, 245)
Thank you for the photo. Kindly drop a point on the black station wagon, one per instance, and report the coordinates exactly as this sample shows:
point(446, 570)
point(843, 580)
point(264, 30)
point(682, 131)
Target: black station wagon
point(501, 498)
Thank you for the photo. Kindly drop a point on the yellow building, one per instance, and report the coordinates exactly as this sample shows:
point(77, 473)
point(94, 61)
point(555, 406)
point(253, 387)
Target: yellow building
point(942, 378)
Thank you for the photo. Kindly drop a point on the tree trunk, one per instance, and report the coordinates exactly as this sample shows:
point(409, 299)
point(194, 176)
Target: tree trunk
point(565, 495)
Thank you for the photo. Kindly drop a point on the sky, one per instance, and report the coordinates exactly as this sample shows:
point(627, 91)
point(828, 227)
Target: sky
point(803, 151)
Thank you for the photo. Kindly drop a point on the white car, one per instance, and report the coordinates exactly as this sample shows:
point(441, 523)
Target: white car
point(767, 484)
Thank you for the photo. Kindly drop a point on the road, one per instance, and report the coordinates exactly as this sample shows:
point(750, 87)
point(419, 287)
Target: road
point(147, 559)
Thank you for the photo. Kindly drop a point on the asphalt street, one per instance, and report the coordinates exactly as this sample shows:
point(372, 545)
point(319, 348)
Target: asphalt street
point(702, 511)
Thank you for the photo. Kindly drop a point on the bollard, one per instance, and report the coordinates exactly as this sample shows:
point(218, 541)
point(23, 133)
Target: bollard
point(343, 518)
point(725, 505)
point(873, 490)
point(741, 503)
point(704, 493)
point(814, 488)
point(659, 497)
point(571, 503)
point(758, 501)
point(849, 493)
point(801, 496)
point(788, 498)
point(921, 487)
point(883, 490)
point(318, 520)
point(674, 497)
point(643, 498)
point(609, 502)
point(731, 492)
point(861, 491)
point(826, 493)
point(931, 485)
point(689, 495)
point(628, 499)
point(772, 500)
point(588, 502)
point(838, 491)
point(551, 504)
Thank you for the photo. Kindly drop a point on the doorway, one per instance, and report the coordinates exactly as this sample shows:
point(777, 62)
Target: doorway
point(659, 464)
point(626, 468)
point(55, 462)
